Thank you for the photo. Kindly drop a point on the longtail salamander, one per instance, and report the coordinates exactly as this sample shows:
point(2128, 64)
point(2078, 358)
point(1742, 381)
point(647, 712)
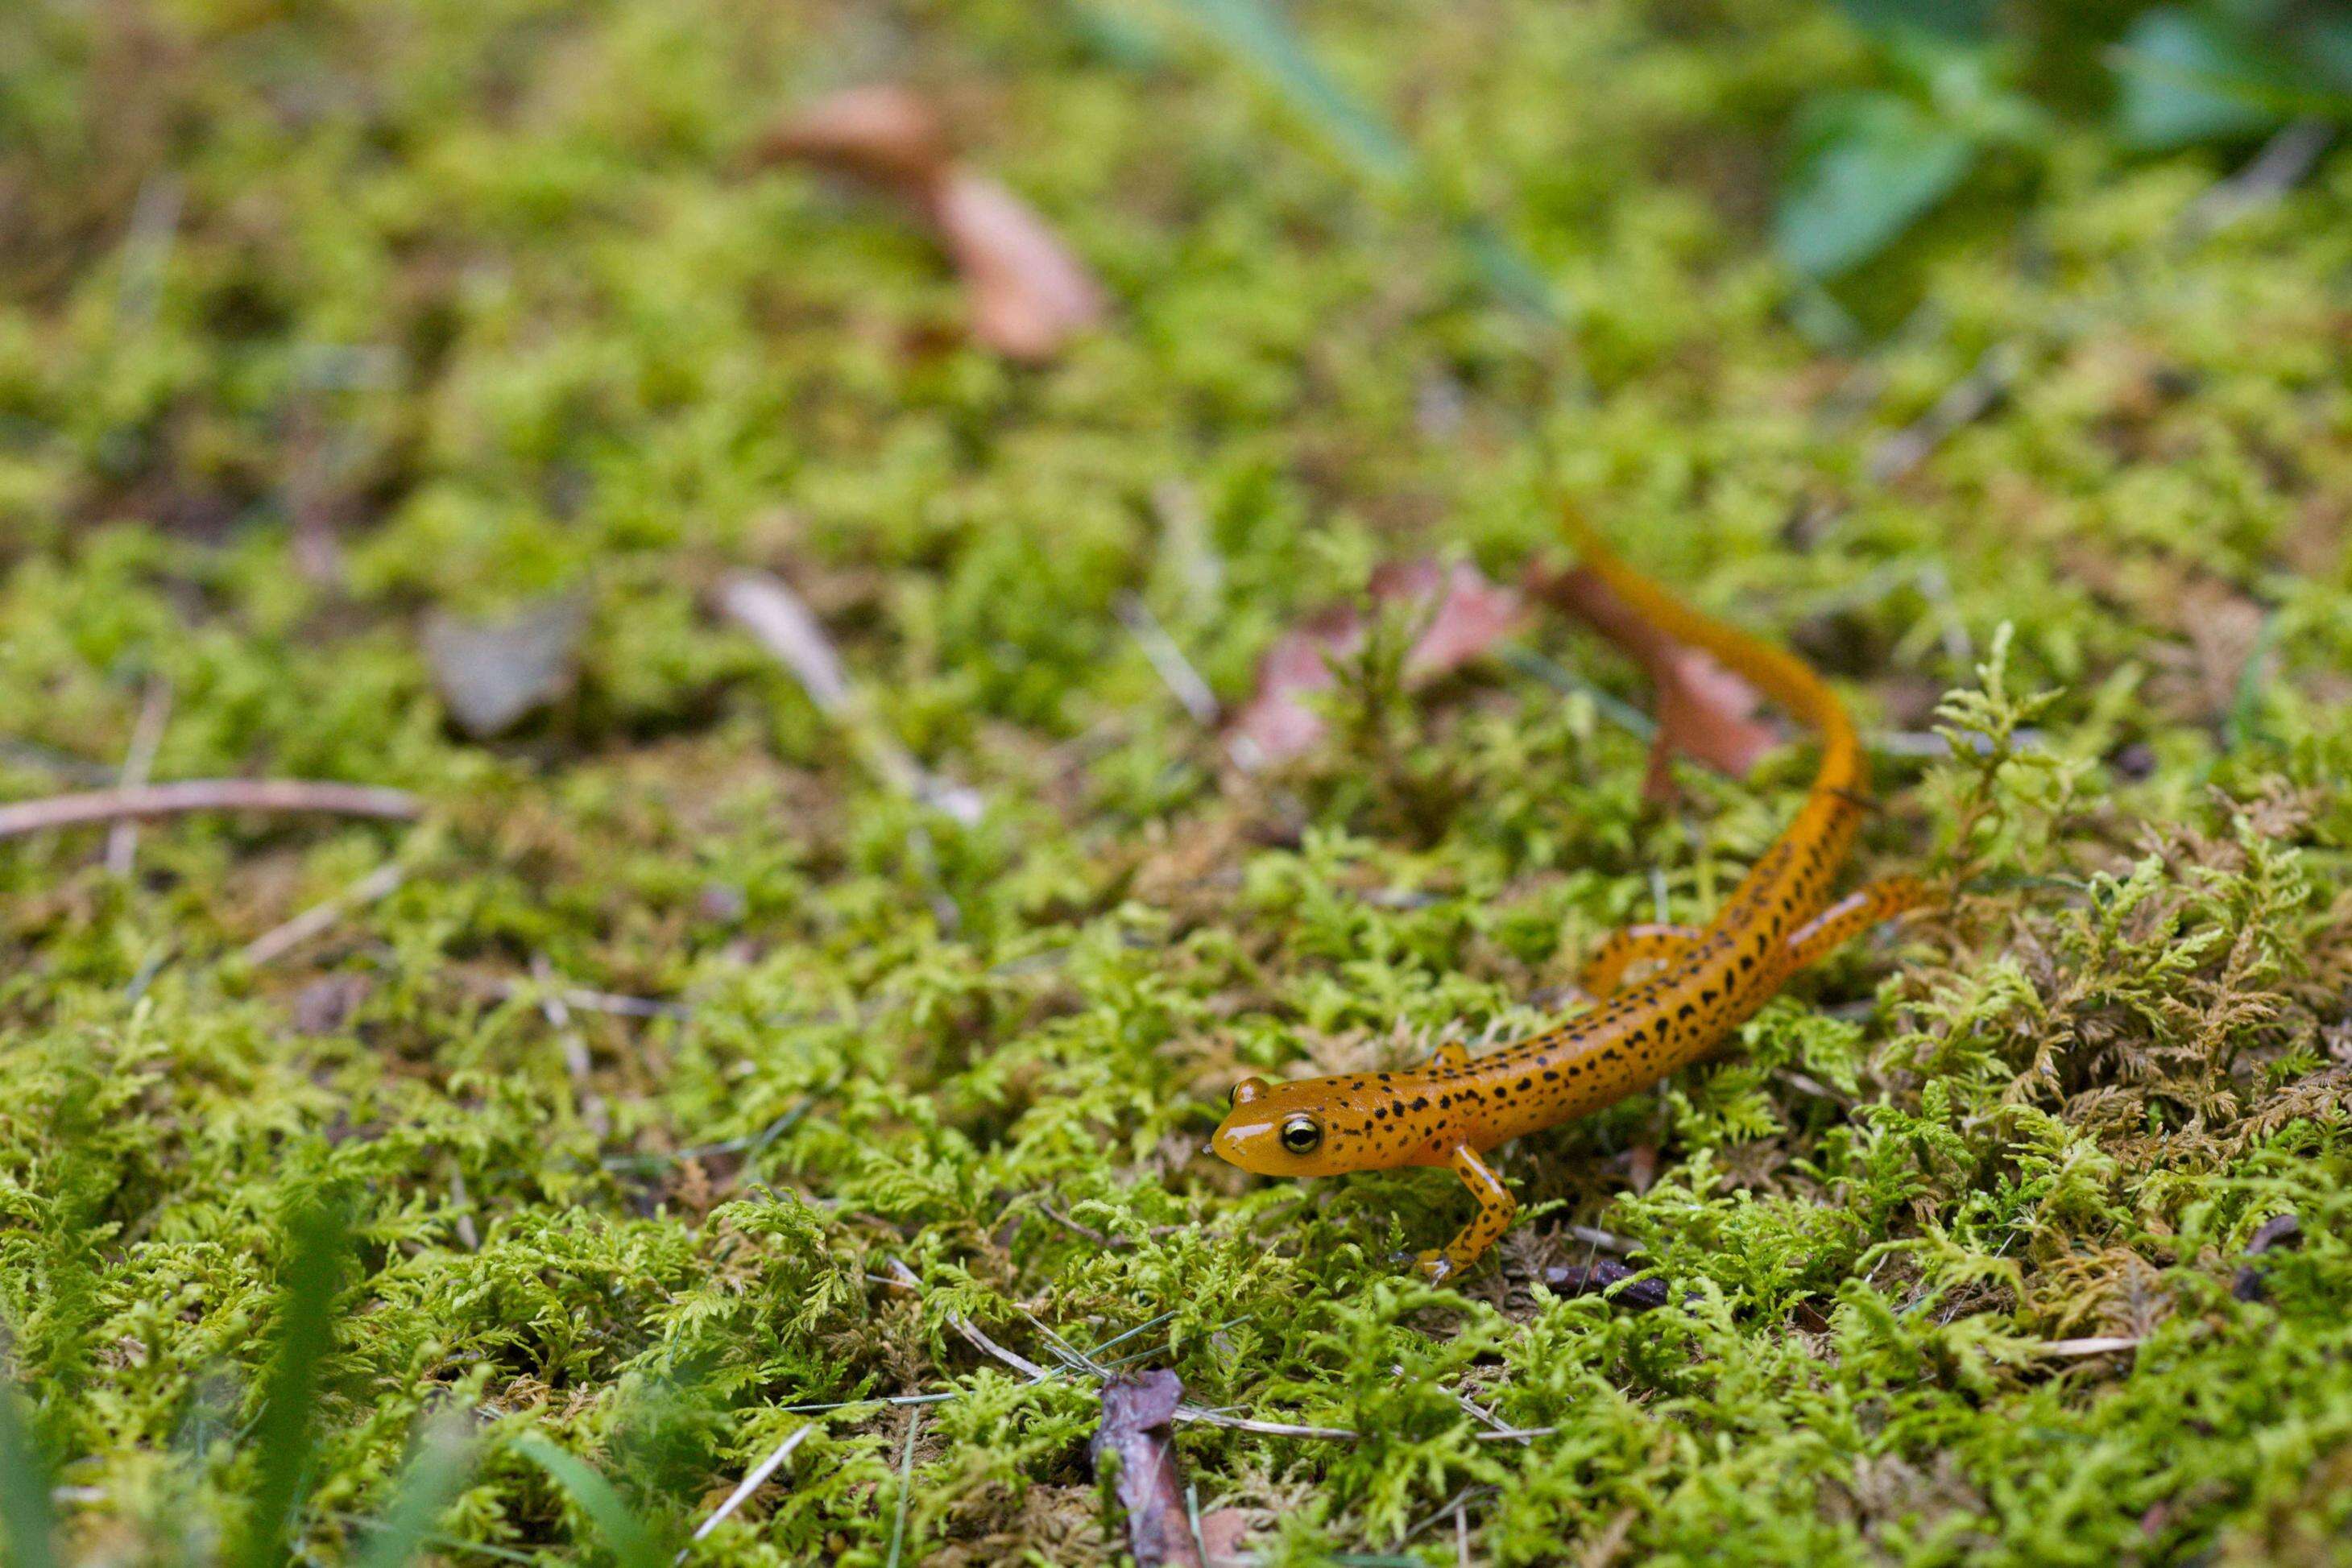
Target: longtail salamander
point(1779, 918)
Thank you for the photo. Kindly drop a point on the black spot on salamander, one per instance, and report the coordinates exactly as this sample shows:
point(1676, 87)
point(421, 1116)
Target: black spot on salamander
point(1421, 1102)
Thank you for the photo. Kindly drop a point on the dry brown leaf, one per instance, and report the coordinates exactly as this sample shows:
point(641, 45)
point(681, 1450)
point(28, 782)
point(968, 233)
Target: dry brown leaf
point(1468, 615)
point(888, 135)
point(1029, 294)
point(1705, 711)
point(1137, 1425)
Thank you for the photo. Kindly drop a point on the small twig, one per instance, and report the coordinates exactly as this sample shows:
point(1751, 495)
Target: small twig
point(280, 940)
point(1168, 661)
point(753, 1480)
point(32, 755)
point(1607, 1241)
point(779, 622)
point(138, 767)
point(464, 1201)
point(1088, 1232)
point(978, 1340)
point(147, 249)
point(1037, 1374)
point(558, 1013)
point(586, 1000)
point(2101, 1345)
point(2281, 165)
point(1965, 402)
point(1264, 1429)
point(187, 795)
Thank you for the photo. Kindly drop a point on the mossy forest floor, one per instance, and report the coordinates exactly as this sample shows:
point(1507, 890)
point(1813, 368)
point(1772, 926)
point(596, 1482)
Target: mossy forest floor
point(486, 297)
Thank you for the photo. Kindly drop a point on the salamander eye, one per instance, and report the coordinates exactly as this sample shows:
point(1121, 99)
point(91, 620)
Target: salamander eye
point(1247, 1090)
point(1302, 1135)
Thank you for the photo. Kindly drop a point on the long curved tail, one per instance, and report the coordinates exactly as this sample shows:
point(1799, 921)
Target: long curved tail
point(1782, 676)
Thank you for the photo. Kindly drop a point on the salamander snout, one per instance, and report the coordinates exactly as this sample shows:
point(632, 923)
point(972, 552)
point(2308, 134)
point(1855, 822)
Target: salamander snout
point(1277, 1131)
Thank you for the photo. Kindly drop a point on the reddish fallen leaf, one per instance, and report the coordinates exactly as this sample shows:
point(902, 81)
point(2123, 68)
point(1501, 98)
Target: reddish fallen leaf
point(1705, 712)
point(1138, 1418)
point(1222, 1531)
point(1467, 616)
point(1597, 1277)
point(1029, 295)
point(887, 134)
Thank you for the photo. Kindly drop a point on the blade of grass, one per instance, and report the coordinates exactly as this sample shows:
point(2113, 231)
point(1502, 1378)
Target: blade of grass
point(1262, 39)
point(318, 1238)
point(905, 1485)
point(30, 1524)
point(1265, 41)
point(430, 1483)
point(616, 1523)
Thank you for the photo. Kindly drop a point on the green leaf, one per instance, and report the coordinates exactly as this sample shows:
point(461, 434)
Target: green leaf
point(27, 1524)
point(1258, 34)
point(434, 1478)
point(1952, 18)
point(317, 1246)
point(2185, 77)
point(617, 1524)
point(1868, 165)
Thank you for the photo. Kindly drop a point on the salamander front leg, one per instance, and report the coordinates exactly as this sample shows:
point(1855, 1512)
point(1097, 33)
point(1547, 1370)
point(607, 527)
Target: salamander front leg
point(1496, 1209)
point(1453, 1053)
point(1627, 946)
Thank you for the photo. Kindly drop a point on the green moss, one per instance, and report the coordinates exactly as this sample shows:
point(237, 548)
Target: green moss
point(491, 289)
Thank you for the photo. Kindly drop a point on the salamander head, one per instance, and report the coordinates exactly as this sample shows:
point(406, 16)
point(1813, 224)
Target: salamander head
point(1307, 1128)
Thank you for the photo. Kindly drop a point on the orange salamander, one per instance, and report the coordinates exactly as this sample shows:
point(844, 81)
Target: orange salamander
point(1779, 918)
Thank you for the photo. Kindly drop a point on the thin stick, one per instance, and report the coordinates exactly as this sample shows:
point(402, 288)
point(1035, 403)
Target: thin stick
point(463, 1200)
point(1264, 1428)
point(205, 795)
point(2102, 1345)
point(1168, 661)
point(1607, 1241)
point(1184, 1412)
point(777, 619)
point(558, 1013)
point(138, 767)
point(584, 999)
point(279, 941)
point(752, 1482)
point(2281, 165)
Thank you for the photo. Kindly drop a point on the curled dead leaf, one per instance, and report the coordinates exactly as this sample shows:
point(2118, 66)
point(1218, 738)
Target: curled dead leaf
point(886, 133)
point(1029, 294)
point(1138, 1428)
point(1705, 711)
point(1467, 616)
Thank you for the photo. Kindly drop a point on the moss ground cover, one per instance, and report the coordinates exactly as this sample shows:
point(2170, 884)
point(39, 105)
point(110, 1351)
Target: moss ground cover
point(485, 298)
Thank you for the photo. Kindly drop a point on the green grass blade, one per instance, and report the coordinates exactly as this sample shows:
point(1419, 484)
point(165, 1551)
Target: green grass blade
point(1257, 36)
point(616, 1523)
point(429, 1484)
point(317, 1236)
point(27, 1523)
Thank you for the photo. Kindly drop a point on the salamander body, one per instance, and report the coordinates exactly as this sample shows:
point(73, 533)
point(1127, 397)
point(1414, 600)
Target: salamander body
point(1451, 1109)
